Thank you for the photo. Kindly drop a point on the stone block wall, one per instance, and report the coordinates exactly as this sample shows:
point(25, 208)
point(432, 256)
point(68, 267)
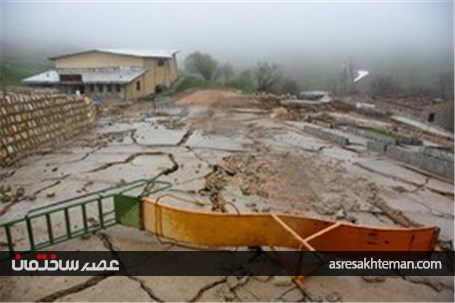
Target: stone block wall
point(30, 122)
point(326, 135)
point(372, 135)
point(376, 146)
point(383, 138)
point(410, 141)
point(423, 159)
point(323, 123)
point(437, 153)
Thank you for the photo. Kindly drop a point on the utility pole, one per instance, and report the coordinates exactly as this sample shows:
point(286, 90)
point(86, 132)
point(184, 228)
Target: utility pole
point(350, 70)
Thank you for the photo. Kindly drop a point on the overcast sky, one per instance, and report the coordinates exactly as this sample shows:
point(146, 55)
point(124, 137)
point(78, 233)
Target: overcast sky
point(237, 30)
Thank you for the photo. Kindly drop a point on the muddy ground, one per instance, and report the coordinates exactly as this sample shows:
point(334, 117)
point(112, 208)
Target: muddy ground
point(234, 154)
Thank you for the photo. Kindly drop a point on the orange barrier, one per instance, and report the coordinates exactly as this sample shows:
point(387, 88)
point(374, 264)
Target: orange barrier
point(208, 229)
point(195, 228)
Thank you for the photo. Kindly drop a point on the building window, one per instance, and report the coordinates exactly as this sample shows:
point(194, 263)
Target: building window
point(109, 88)
point(70, 78)
point(160, 62)
point(91, 88)
point(138, 85)
point(118, 88)
point(431, 117)
point(99, 88)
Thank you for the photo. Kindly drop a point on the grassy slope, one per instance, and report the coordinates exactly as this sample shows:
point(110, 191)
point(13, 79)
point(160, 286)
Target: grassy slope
point(13, 71)
point(25, 59)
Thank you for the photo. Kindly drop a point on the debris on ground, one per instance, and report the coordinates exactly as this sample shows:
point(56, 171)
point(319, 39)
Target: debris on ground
point(221, 98)
point(279, 113)
point(11, 193)
point(50, 194)
point(249, 152)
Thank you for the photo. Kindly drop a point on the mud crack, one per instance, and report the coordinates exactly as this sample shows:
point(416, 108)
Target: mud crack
point(107, 243)
point(206, 288)
point(74, 289)
point(169, 170)
point(127, 160)
point(186, 136)
point(428, 281)
point(215, 181)
point(395, 178)
point(51, 185)
point(147, 289)
point(395, 215)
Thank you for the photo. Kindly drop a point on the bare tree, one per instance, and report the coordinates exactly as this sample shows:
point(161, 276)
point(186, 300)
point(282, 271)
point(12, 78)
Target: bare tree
point(226, 71)
point(202, 64)
point(446, 85)
point(266, 76)
point(384, 84)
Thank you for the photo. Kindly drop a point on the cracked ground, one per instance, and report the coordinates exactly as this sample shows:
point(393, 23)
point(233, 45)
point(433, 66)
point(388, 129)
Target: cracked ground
point(227, 157)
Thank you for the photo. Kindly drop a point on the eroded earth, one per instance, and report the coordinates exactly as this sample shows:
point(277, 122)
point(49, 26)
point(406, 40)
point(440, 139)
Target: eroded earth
point(222, 156)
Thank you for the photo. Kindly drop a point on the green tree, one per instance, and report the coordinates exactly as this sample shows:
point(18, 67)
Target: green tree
point(289, 86)
point(243, 81)
point(266, 76)
point(202, 64)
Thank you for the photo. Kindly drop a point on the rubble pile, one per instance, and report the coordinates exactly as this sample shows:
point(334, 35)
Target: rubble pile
point(12, 193)
point(252, 174)
point(269, 100)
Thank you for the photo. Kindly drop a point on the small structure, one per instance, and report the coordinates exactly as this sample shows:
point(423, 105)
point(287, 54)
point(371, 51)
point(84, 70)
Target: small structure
point(315, 95)
point(440, 113)
point(365, 106)
point(360, 75)
point(112, 73)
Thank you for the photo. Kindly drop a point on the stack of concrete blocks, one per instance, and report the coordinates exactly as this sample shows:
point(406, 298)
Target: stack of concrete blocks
point(326, 135)
point(372, 135)
point(384, 138)
point(437, 153)
point(377, 146)
point(323, 123)
point(428, 159)
point(424, 161)
point(409, 141)
point(30, 122)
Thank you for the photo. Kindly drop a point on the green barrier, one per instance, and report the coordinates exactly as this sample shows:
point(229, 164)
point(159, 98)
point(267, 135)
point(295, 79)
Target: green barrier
point(124, 209)
point(128, 211)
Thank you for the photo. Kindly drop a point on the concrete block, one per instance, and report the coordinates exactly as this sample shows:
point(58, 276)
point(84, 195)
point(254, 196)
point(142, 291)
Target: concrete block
point(376, 146)
point(410, 141)
point(372, 135)
point(422, 161)
point(326, 135)
point(437, 153)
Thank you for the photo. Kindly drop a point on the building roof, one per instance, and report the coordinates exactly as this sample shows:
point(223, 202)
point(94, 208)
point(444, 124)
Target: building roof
point(118, 75)
point(159, 53)
point(143, 53)
point(48, 77)
point(314, 93)
point(361, 74)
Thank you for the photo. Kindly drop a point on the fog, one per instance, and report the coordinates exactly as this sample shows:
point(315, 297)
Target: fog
point(304, 38)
